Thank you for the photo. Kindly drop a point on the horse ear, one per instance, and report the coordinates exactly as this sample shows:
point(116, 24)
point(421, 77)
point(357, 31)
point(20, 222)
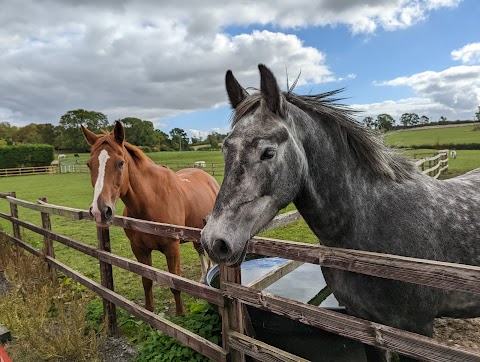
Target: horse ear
point(90, 137)
point(236, 93)
point(272, 95)
point(119, 133)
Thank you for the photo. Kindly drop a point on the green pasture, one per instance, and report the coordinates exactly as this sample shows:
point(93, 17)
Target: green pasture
point(433, 136)
point(164, 158)
point(466, 160)
point(75, 190)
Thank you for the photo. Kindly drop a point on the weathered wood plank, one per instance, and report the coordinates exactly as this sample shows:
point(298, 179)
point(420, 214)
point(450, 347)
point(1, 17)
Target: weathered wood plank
point(259, 350)
point(199, 290)
point(106, 278)
point(56, 210)
point(232, 317)
point(48, 248)
point(465, 278)
point(407, 343)
point(271, 277)
point(14, 214)
point(433, 168)
point(184, 233)
point(190, 339)
point(282, 220)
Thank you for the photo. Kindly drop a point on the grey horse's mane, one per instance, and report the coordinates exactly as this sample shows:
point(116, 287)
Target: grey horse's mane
point(366, 144)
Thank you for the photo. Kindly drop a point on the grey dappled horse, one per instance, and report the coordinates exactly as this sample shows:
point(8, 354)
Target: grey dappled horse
point(353, 192)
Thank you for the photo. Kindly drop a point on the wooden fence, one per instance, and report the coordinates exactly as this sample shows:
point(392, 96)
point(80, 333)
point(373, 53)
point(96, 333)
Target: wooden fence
point(434, 166)
point(232, 296)
point(215, 169)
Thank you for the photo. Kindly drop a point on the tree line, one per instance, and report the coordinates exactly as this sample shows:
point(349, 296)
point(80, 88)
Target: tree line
point(67, 135)
point(386, 122)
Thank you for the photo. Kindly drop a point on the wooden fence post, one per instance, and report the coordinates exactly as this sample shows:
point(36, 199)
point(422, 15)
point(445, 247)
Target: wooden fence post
point(48, 249)
point(14, 213)
point(232, 313)
point(106, 277)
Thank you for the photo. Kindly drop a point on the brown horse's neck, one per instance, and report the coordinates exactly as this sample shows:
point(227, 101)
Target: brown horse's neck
point(146, 182)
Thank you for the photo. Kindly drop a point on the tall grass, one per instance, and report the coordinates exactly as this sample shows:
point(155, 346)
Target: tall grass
point(47, 318)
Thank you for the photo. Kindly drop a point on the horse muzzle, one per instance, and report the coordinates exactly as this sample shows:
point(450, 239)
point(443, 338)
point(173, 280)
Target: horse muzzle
point(222, 250)
point(103, 215)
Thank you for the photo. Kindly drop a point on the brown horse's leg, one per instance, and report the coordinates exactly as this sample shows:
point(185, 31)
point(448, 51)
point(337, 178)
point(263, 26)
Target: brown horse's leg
point(144, 256)
point(172, 253)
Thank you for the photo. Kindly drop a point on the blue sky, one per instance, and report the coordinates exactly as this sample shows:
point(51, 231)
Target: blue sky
point(166, 62)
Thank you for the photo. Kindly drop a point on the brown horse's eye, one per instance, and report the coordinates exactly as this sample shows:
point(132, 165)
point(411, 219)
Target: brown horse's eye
point(120, 164)
point(88, 165)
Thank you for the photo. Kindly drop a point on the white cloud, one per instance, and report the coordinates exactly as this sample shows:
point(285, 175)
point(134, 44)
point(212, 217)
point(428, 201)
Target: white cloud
point(155, 59)
point(456, 89)
point(421, 106)
point(469, 54)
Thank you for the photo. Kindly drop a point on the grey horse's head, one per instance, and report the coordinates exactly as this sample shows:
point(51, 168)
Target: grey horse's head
point(259, 175)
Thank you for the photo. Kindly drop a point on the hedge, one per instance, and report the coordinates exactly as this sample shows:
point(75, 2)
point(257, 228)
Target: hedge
point(25, 155)
point(448, 146)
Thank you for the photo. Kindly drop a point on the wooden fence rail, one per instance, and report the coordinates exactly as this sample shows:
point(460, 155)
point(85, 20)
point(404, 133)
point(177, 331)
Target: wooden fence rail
point(232, 296)
point(435, 164)
point(215, 169)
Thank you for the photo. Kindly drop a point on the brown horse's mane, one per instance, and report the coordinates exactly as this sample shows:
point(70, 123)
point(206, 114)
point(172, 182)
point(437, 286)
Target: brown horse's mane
point(138, 156)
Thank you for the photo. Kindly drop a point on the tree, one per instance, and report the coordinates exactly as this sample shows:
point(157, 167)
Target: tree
point(385, 122)
point(424, 120)
point(179, 140)
point(161, 139)
point(138, 132)
point(409, 119)
point(28, 134)
point(442, 119)
point(71, 137)
point(369, 122)
point(36, 133)
point(7, 131)
point(477, 115)
point(214, 139)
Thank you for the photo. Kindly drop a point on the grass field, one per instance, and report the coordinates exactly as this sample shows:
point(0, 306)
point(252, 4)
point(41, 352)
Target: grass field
point(75, 190)
point(433, 136)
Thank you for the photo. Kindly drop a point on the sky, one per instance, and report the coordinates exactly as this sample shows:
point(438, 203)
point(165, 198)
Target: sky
point(165, 61)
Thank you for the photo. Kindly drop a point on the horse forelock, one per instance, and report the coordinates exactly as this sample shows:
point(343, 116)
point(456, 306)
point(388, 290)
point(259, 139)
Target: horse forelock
point(136, 153)
point(365, 145)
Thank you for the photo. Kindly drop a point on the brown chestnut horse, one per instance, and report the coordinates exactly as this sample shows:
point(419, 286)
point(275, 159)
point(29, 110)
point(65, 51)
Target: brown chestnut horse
point(149, 192)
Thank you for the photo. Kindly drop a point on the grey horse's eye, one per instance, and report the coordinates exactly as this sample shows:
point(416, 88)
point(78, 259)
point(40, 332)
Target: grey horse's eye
point(268, 154)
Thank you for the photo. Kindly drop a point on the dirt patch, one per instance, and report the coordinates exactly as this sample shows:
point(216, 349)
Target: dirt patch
point(4, 284)
point(458, 332)
point(117, 349)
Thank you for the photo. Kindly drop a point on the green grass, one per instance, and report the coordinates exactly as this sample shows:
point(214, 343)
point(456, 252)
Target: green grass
point(165, 158)
point(434, 136)
point(75, 190)
point(466, 160)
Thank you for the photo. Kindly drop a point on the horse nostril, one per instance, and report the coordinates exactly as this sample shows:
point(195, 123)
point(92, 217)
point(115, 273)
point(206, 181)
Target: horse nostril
point(90, 211)
point(221, 248)
point(108, 213)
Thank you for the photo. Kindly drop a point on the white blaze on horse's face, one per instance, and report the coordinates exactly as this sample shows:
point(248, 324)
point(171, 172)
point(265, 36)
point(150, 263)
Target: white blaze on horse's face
point(98, 188)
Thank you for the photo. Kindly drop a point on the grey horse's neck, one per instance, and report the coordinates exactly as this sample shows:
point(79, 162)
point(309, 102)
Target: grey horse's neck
point(338, 185)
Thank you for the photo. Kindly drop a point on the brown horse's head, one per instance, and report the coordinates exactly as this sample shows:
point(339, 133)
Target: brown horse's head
point(108, 170)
